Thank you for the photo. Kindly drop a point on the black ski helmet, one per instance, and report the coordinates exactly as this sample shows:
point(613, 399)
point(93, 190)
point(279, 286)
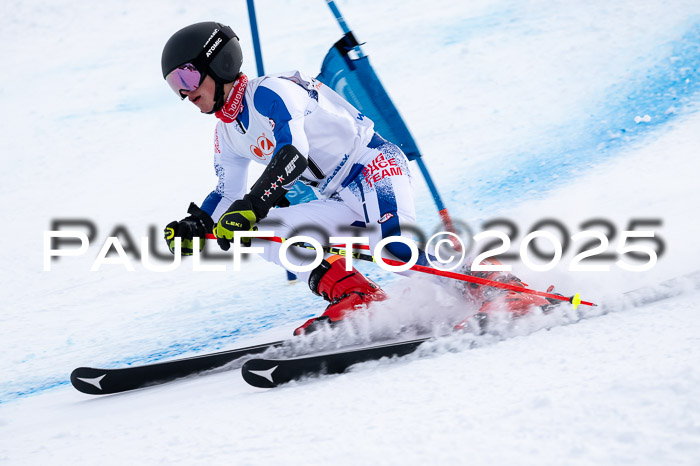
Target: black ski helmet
point(212, 48)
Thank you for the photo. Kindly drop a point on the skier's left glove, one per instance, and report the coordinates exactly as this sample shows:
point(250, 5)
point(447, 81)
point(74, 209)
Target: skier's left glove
point(239, 217)
point(269, 191)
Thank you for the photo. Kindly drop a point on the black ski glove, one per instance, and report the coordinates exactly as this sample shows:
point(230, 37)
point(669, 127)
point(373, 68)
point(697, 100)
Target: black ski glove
point(198, 224)
point(239, 217)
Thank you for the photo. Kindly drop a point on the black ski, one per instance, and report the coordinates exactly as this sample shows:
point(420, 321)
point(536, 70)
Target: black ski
point(95, 381)
point(268, 373)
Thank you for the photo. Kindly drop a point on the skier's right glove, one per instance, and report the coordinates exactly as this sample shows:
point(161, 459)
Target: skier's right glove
point(198, 224)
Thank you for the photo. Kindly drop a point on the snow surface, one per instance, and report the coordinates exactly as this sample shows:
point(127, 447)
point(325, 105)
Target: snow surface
point(524, 110)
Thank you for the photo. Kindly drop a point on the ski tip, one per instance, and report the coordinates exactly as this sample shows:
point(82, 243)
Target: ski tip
point(261, 373)
point(88, 380)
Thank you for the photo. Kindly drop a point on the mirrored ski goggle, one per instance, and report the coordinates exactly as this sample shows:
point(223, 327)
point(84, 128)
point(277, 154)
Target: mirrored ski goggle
point(185, 78)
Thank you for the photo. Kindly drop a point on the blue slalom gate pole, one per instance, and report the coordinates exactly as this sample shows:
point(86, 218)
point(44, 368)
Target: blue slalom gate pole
point(342, 23)
point(256, 37)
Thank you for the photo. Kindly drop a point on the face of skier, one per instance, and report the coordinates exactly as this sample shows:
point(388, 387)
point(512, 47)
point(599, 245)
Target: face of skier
point(203, 96)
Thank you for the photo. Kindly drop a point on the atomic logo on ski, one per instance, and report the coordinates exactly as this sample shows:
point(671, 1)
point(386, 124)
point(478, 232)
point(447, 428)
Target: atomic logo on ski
point(265, 374)
point(94, 381)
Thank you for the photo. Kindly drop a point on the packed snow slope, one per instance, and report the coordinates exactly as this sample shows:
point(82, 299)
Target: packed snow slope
point(525, 111)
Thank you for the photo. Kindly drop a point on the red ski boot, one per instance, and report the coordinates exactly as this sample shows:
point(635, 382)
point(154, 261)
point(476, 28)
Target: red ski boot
point(345, 291)
point(491, 299)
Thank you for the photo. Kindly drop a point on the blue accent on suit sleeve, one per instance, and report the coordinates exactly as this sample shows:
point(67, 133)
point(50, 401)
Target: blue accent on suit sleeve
point(210, 203)
point(271, 105)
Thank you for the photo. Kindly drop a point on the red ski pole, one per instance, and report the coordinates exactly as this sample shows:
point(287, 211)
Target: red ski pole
point(575, 299)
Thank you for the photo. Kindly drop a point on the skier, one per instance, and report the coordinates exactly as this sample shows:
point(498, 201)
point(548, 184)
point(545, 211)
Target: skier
point(302, 131)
